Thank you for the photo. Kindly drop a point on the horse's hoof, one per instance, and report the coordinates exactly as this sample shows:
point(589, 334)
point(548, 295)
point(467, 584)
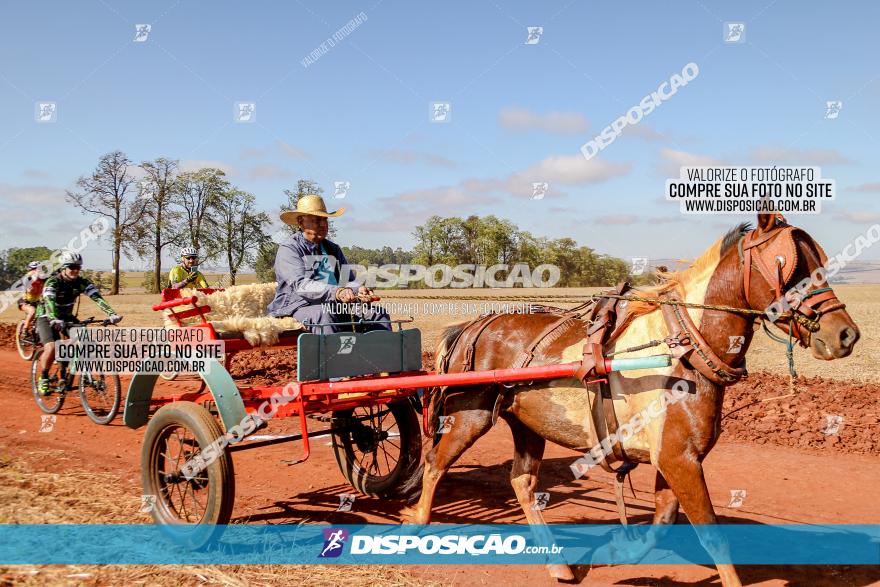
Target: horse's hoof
point(561, 572)
point(409, 515)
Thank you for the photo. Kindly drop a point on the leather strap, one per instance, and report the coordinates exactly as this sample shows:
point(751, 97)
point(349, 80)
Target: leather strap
point(696, 350)
point(544, 337)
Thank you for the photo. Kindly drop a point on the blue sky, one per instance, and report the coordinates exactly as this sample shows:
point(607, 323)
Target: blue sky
point(520, 112)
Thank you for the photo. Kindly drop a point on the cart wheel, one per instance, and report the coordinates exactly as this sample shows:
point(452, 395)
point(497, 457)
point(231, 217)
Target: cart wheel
point(100, 395)
point(381, 448)
point(51, 403)
point(188, 508)
point(25, 342)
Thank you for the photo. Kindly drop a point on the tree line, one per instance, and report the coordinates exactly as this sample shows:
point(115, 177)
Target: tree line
point(162, 207)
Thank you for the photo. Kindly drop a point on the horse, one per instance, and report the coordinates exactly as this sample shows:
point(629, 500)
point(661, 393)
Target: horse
point(728, 288)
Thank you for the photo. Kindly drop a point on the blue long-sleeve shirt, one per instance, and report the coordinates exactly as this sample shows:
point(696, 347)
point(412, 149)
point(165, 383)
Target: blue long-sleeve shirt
point(300, 281)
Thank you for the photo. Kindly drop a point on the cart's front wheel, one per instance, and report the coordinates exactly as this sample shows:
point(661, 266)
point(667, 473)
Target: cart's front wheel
point(379, 447)
point(191, 485)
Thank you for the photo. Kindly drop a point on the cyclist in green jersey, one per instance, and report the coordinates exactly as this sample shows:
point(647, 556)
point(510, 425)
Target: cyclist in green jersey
point(187, 273)
point(56, 309)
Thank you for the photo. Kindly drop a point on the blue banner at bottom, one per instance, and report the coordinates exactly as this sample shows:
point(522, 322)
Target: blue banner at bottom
point(755, 544)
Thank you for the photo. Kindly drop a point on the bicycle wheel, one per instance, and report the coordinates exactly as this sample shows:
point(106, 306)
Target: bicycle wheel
point(25, 343)
point(100, 395)
point(51, 403)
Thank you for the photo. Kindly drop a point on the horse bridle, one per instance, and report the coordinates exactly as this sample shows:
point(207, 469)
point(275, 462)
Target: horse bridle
point(772, 251)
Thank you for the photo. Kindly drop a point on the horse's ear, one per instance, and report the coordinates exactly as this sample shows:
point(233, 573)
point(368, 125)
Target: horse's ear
point(768, 222)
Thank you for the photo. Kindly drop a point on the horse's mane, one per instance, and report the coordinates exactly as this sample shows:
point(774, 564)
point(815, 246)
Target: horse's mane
point(678, 280)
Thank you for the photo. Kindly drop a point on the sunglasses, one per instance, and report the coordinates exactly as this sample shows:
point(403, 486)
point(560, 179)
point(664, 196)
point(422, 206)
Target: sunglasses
point(193, 258)
point(74, 267)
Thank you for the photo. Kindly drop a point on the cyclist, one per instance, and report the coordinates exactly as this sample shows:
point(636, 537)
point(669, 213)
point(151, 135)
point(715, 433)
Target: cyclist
point(33, 291)
point(59, 296)
point(187, 273)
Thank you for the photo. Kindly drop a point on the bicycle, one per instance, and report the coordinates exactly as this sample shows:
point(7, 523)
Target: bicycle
point(26, 341)
point(100, 394)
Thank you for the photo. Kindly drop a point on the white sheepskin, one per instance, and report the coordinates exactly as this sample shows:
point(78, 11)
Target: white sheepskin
point(240, 309)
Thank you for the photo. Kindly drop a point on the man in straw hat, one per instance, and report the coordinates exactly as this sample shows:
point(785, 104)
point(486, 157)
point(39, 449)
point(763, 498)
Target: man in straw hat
point(311, 285)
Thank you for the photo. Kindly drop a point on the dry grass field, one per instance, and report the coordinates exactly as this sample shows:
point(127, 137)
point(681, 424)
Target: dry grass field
point(430, 315)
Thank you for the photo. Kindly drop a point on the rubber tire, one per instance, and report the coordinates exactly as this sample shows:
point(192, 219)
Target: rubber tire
point(221, 475)
point(112, 380)
point(35, 368)
point(408, 464)
point(19, 345)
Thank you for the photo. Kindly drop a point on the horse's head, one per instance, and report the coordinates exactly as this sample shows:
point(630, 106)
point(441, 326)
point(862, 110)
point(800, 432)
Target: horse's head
point(784, 275)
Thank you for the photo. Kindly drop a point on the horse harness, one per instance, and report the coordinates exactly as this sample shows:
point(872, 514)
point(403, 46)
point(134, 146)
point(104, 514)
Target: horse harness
point(772, 251)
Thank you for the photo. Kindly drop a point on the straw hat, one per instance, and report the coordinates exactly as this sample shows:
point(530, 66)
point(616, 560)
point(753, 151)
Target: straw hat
point(310, 205)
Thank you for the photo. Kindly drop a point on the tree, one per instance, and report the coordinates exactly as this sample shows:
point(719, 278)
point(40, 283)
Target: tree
point(107, 192)
point(240, 230)
point(197, 193)
point(160, 224)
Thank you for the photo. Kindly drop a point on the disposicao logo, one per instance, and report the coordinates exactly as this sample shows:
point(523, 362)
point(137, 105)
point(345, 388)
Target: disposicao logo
point(334, 541)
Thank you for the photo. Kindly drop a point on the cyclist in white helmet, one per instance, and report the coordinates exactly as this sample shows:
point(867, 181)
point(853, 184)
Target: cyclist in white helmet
point(56, 309)
point(187, 274)
point(33, 291)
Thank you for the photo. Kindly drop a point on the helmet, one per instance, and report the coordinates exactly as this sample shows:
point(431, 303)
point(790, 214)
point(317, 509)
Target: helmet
point(34, 265)
point(189, 252)
point(70, 258)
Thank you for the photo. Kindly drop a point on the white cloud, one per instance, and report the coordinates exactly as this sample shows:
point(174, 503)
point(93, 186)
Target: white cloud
point(186, 165)
point(522, 119)
point(866, 187)
point(617, 219)
point(671, 161)
point(268, 171)
point(406, 157)
point(565, 170)
point(292, 150)
point(858, 216)
point(791, 155)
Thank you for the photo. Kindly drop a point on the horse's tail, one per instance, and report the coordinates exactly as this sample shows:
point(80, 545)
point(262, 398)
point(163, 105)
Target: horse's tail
point(411, 489)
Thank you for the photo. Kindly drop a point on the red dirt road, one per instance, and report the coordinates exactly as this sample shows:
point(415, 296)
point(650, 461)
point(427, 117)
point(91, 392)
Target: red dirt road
point(783, 485)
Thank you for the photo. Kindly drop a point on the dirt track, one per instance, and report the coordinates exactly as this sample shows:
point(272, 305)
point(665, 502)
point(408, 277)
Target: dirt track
point(783, 485)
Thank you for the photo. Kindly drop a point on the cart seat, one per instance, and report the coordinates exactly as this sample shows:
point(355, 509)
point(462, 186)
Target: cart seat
point(222, 334)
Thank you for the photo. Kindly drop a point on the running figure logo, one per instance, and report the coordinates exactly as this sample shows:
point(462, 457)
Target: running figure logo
point(47, 423)
point(334, 540)
point(141, 32)
point(346, 345)
point(734, 32)
point(736, 344)
point(346, 501)
point(833, 422)
point(245, 112)
point(832, 109)
point(737, 497)
point(542, 498)
point(639, 265)
point(441, 112)
point(341, 188)
point(534, 35)
point(46, 112)
point(539, 189)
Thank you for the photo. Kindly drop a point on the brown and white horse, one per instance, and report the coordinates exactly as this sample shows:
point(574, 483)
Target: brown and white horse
point(675, 442)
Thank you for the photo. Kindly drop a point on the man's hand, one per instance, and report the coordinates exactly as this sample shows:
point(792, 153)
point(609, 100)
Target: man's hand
point(114, 319)
point(179, 284)
point(57, 324)
point(345, 295)
point(365, 294)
